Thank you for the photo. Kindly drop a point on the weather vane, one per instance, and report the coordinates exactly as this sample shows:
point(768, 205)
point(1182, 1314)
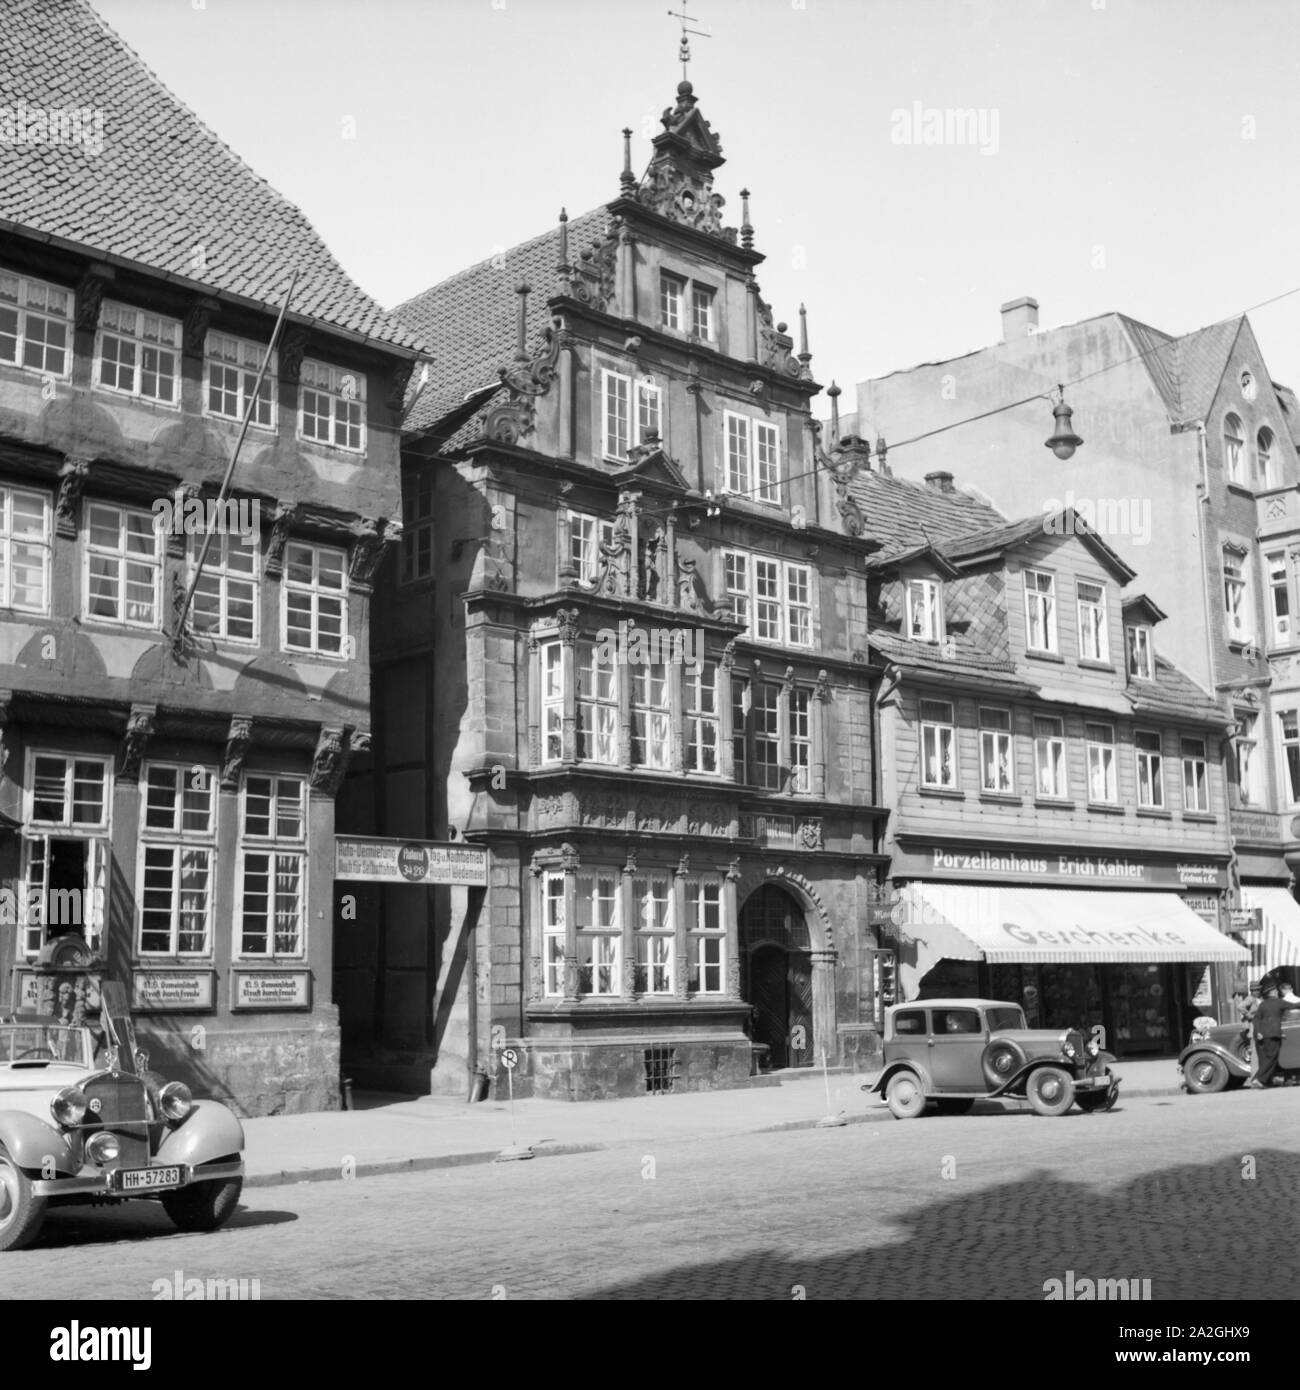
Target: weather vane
point(684, 53)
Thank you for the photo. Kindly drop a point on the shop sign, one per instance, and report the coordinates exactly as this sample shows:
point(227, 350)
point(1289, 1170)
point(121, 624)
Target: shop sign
point(172, 991)
point(1257, 826)
point(1078, 870)
point(67, 996)
point(1203, 998)
point(270, 989)
point(1247, 921)
point(409, 861)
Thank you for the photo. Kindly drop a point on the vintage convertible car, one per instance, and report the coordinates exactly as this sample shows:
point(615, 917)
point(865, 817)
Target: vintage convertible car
point(952, 1052)
point(82, 1119)
point(1220, 1059)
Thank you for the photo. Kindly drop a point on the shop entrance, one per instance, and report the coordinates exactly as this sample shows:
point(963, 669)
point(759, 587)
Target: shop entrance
point(776, 976)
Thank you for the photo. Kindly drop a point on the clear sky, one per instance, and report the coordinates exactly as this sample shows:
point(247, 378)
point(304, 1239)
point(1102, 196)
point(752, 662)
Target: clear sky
point(1136, 155)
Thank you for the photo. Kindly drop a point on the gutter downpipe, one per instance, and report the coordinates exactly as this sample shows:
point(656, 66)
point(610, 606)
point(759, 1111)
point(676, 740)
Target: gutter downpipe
point(1234, 873)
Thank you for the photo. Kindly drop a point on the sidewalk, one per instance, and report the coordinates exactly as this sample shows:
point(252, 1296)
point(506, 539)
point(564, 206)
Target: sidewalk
point(391, 1134)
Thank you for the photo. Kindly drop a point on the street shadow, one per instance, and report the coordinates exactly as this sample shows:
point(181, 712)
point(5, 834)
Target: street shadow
point(132, 1222)
point(1193, 1230)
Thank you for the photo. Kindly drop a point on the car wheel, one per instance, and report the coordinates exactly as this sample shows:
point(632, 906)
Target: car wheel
point(954, 1107)
point(21, 1211)
point(203, 1206)
point(1205, 1073)
point(1050, 1091)
point(905, 1097)
point(1002, 1059)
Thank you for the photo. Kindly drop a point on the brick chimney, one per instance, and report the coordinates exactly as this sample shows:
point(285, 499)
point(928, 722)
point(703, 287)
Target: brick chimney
point(1019, 318)
point(940, 481)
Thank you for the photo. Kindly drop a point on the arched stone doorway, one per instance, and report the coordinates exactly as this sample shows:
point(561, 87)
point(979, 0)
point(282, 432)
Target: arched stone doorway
point(777, 975)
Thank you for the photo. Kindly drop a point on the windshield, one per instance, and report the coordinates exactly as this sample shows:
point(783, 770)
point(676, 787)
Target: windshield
point(43, 1042)
point(1010, 1017)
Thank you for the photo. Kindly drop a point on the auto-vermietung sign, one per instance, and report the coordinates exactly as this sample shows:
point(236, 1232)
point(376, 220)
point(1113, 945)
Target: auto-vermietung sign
point(409, 861)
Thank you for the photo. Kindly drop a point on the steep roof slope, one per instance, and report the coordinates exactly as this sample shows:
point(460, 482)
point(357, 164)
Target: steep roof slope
point(469, 319)
point(152, 182)
point(904, 515)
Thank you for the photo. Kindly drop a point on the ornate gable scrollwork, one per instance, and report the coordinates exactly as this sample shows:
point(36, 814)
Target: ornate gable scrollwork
point(72, 480)
point(776, 347)
point(684, 195)
point(516, 416)
point(591, 281)
point(843, 463)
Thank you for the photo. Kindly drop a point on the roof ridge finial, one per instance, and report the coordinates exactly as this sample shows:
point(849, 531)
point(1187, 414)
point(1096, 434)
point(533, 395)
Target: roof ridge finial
point(684, 50)
point(626, 179)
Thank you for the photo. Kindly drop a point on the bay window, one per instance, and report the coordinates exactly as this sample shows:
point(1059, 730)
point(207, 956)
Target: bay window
point(651, 718)
point(706, 937)
point(598, 934)
point(652, 901)
point(702, 718)
point(773, 598)
point(597, 706)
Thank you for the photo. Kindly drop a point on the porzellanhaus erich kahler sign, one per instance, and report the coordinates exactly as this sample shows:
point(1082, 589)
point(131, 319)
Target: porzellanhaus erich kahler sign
point(1077, 870)
point(409, 861)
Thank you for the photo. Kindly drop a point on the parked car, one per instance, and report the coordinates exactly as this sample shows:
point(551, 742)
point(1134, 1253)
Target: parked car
point(82, 1119)
point(1220, 1059)
point(949, 1053)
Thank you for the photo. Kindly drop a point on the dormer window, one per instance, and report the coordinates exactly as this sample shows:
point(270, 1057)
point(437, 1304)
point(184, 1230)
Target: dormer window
point(1094, 643)
point(924, 610)
point(1040, 611)
point(1141, 652)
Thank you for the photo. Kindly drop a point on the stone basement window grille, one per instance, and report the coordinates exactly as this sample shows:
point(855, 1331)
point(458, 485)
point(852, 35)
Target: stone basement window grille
point(660, 1063)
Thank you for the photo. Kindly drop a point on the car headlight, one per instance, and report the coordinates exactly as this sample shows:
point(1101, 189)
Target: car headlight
point(69, 1106)
point(175, 1101)
point(1093, 1049)
point(103, 1147)
point(1067, 1050)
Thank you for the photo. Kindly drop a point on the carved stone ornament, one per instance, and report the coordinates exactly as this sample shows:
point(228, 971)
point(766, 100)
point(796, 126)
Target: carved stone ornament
point(570, 861)
point(516, 416)
point(776, 347)
point(629, 864)
point(329, 761)
point(685, 195)
point(72, 479)
point(283, 519)
point(810, 834)
point(568, 621)
point(238, 741)
point(823, 688)
point(373, 537)
point(293, 347)
point(398, 380)
point(139, 730)
point(591, 280)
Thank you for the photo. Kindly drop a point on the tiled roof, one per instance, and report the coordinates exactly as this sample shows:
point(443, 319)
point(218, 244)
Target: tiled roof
point(155, 183)
point(966, 661)
point(1185, 371)
point(1008, 536)
point(469, 319)
point(905, 515)
point(1174, 694)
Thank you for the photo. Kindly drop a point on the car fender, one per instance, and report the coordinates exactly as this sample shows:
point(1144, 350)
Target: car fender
point(1015, 1085)
point(209, 1131)
point(1236, 1067)
point(891, 1071)
point(30, 1142)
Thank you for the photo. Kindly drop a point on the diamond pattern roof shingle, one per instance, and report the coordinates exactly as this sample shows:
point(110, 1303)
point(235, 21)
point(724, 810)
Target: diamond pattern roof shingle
point(904, 515)
point(161, 183)
point(469, 319)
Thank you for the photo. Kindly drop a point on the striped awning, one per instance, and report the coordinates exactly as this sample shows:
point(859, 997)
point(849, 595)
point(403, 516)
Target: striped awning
point(1054, 926)
point(1281, 920)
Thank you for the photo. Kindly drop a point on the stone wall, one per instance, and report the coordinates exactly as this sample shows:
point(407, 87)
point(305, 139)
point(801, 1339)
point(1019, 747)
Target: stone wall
point(603, 1071)
point(282, 1070)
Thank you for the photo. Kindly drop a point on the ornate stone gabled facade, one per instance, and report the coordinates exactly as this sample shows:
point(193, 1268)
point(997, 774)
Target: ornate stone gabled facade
point(634, 670)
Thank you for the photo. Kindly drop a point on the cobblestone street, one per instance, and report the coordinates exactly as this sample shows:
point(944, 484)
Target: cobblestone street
point(1165, 1189)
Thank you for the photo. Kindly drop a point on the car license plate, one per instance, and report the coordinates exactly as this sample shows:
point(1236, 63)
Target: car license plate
point(146, 1179)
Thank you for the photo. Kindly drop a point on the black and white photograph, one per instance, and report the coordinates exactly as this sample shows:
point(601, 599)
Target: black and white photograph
point(650, 653)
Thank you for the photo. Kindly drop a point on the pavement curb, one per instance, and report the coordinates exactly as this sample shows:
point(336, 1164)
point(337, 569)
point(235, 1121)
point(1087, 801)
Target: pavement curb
point(386, 1166)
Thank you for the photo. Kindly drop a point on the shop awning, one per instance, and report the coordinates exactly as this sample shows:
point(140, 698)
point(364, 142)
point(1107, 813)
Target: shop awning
point(1281, 914)
point(1053, 926)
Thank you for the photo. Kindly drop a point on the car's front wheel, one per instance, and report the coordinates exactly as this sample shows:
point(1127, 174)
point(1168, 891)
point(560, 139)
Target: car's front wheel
point(21, 1211)
point(203, 1206)
point(1050, 1091)
point(905, 1097)
point(1205, 1073)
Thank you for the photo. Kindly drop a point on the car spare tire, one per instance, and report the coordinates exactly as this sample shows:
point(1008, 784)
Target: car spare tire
point(1001, 1061)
